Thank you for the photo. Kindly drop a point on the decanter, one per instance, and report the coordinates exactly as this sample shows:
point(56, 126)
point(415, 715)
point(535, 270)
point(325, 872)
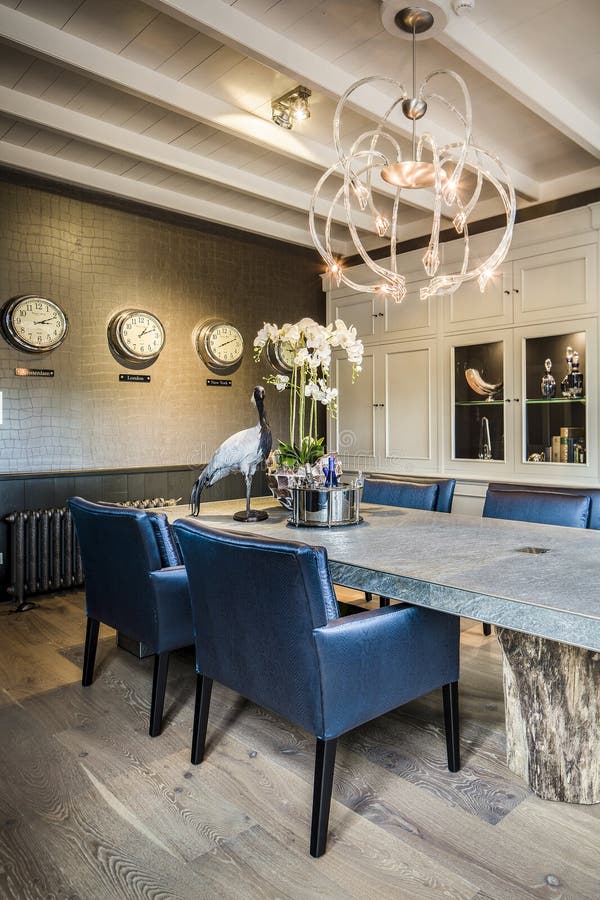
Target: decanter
point(576, 377)
point(548, 385)
point(566, 384)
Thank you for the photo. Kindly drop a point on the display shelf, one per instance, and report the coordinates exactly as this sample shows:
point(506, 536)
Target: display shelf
point(485, 403)
point(556, 400)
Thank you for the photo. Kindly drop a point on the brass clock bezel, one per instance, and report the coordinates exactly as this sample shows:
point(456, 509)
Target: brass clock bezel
point(275, 357)
point(202, 334)
point(9, 330)
point(117, 343)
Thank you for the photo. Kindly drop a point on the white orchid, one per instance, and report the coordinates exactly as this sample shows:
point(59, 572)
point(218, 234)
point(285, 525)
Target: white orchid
point(281, 382)
point(312, 345)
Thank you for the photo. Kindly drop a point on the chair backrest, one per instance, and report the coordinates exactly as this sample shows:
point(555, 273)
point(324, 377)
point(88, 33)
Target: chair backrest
point(400, 493)
point(119, 549)
point(255, 604)
point(542, 507)
point(443, 499)
point(592, 493)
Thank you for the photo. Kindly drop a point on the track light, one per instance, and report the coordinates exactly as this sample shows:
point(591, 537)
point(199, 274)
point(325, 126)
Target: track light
point(291, 107)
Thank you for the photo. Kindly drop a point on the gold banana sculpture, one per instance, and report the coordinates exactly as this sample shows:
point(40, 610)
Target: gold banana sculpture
point(481, 387)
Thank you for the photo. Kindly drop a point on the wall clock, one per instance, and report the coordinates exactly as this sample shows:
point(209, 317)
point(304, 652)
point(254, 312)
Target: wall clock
point(219, 345)
point(34, 324)
point(136, 336)
point(281, 356)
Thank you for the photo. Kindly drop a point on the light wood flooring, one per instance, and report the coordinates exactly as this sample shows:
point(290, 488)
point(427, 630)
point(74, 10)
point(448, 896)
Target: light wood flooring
point(92, 808)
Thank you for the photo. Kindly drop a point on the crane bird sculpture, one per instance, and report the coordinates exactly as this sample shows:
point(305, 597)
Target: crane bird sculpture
point(242, 452)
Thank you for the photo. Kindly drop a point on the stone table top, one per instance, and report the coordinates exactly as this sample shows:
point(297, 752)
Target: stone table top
point(464, 565)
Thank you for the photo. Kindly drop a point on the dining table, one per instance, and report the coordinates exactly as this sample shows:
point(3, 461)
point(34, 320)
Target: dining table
point(539, 585)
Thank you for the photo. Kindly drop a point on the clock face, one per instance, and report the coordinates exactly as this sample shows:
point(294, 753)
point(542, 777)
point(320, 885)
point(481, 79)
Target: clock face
point(220, 345)
point(136, 335)
point(281, 356)
point(34, 324)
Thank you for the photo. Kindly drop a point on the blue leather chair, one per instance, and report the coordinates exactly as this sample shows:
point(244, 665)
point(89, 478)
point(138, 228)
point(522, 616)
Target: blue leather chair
point(134, 582)
point(544, 506)
point(266, 624)
point(593, 493)
point(434, 494)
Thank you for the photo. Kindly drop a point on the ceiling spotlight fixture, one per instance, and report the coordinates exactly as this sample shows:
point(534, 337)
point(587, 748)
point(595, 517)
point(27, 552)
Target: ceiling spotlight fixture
point(291, 107)
point(454, 172)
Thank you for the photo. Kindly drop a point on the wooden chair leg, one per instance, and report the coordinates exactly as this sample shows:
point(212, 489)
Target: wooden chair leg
point(89, 654)
point(323, 784)
point(384, 601)
point(203, 692)
point(487, 628)
point(159, 684)
point(451, 724)
point(368, 596)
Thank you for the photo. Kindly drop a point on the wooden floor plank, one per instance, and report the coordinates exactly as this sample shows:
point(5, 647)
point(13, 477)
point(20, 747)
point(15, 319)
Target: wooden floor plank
point(91, 807)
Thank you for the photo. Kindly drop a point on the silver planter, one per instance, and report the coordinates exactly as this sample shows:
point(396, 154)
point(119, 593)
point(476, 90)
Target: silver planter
point(325, 507)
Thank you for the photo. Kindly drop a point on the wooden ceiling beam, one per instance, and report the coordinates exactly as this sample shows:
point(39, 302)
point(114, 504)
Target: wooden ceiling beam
point(76, 125)
point(232, 27)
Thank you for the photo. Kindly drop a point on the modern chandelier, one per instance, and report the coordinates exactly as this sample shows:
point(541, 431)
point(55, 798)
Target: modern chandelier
point(444, 169)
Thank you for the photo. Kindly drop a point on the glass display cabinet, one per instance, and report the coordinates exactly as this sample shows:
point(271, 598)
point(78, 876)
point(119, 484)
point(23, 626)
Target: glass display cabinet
point(523, 401)
point(555, 420)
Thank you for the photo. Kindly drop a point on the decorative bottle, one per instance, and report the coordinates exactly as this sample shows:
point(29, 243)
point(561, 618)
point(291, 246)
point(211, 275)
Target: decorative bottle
point(566, 384)
point(576, 377)
point(548, 384)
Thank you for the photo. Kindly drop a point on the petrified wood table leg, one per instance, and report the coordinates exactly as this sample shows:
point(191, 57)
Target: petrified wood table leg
point(552, 708)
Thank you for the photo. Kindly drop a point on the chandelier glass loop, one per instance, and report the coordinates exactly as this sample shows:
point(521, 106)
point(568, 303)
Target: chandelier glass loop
point(441, 169)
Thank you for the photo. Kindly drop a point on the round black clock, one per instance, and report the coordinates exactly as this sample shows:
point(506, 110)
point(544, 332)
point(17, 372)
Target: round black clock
point(136, 336)
point(33, 324)
point(219, 345)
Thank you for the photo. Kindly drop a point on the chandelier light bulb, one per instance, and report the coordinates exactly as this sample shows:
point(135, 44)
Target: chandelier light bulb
point(454, 173)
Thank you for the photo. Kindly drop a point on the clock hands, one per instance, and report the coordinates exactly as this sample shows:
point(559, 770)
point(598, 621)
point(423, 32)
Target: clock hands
point(224, 344)
point(45, 321)
point(146, 331)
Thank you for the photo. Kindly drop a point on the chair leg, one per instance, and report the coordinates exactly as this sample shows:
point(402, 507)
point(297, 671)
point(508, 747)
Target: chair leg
point(89, 654)
point(384, 601)
point(451, 724)
point(368, 596)
point(159, 684)
point(323, 784)
point(203, 692)
point(487, 628)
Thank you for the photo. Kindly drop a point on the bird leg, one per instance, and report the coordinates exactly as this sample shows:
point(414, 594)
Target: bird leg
point(248, 489)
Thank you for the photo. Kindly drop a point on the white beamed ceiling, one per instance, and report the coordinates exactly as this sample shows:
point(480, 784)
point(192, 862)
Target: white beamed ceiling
point(168, 101)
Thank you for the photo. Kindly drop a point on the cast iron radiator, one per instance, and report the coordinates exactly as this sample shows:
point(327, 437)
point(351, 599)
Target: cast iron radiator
point(44, 553)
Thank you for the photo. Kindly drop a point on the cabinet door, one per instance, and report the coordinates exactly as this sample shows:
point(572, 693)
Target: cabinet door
point(557, 422)
point(405, 391)
point(413, 317)
point(555, 285)
point(364, 311)
point(352, 432)
point(479, 439)
point(469, 308)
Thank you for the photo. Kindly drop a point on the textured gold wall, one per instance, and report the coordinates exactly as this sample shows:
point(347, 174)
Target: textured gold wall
point(95, 260)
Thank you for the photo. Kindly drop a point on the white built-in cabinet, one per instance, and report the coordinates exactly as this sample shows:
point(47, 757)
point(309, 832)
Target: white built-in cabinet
point(412, 409)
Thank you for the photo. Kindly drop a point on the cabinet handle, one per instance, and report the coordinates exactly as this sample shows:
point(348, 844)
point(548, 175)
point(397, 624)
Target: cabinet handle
point(507, 400)
point(507, 292)
point(378, 404)
point(380, 315)
point(516, 290)
point(374, 315)
point(516, 399)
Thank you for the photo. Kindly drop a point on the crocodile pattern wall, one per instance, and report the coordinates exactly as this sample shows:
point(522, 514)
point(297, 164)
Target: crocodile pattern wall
point(96, 260)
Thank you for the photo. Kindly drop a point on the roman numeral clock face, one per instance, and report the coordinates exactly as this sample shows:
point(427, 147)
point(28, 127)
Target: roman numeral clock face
point(136, 336)
point(33, 324)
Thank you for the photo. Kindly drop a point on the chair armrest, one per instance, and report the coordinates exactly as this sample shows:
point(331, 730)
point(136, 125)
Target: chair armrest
point(173, 607)
point(377, 660)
